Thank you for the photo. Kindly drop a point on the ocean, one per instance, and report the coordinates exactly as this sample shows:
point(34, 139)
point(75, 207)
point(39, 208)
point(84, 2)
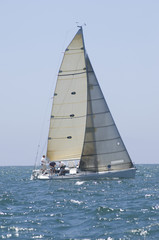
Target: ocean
point(118, 209)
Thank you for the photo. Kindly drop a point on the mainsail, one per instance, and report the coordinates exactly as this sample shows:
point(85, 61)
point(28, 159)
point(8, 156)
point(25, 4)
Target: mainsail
point(68, 116)
point(81, 125)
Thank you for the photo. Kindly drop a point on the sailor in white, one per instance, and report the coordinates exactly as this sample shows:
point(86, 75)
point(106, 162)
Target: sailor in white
point(43, 163)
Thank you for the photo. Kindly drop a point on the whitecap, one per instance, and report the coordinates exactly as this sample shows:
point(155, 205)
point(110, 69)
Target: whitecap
point(40, 236)
point(148, 195)
point(144, 210)
point(76, 201)
point(2, 213)
point(17, 229)
point(143, 232)
point(2, 227)
point(121, 210)
point(79, 182)
point(9, 235)
point(156, 207)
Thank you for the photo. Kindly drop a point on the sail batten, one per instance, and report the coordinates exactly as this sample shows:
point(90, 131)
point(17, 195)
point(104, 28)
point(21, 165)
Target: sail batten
point(67, 117)
point(102, 140)
point(69, 74)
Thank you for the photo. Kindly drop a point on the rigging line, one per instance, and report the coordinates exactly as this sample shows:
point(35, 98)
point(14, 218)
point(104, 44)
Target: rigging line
point(42, 150)
point(36, 158)
point(44, 120)
point(41, 133)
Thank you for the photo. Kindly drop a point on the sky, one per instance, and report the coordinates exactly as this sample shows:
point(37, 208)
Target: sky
point(122, 41)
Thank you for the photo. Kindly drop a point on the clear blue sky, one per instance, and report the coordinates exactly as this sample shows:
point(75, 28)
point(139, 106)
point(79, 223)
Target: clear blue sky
point(122, 40)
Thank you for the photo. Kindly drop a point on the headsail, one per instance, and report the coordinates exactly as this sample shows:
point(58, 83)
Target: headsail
point(103, 146)
point(68, 116)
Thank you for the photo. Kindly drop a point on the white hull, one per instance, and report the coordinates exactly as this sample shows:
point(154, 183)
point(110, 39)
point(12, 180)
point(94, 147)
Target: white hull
point(126, 173)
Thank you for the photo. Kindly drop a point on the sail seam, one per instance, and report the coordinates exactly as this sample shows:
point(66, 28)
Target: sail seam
point(68, 117)
point(103, 153)
point(110, 125)
point(89, 114)
point(74, 49)
point(70, 78)
point(50, 138)
point(72, 70)
point(68, 103)
point(96, 99)
point(105, 140)
point(103, 165)
point(73, 53)
point(60, 75)
point(93, 85)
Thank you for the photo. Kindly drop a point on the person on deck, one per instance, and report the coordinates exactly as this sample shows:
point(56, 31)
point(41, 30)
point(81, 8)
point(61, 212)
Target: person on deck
point(52, 167)
point(43, 163)
point(62, 169)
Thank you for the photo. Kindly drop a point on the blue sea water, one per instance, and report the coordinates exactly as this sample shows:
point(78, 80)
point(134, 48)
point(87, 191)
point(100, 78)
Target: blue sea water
point(70, 209)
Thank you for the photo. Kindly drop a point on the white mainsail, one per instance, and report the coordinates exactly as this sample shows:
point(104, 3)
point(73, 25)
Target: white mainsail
point(81, 125)
point(68, 116)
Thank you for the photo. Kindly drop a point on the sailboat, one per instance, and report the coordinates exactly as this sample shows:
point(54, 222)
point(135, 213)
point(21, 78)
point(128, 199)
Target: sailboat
point(82, 133)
